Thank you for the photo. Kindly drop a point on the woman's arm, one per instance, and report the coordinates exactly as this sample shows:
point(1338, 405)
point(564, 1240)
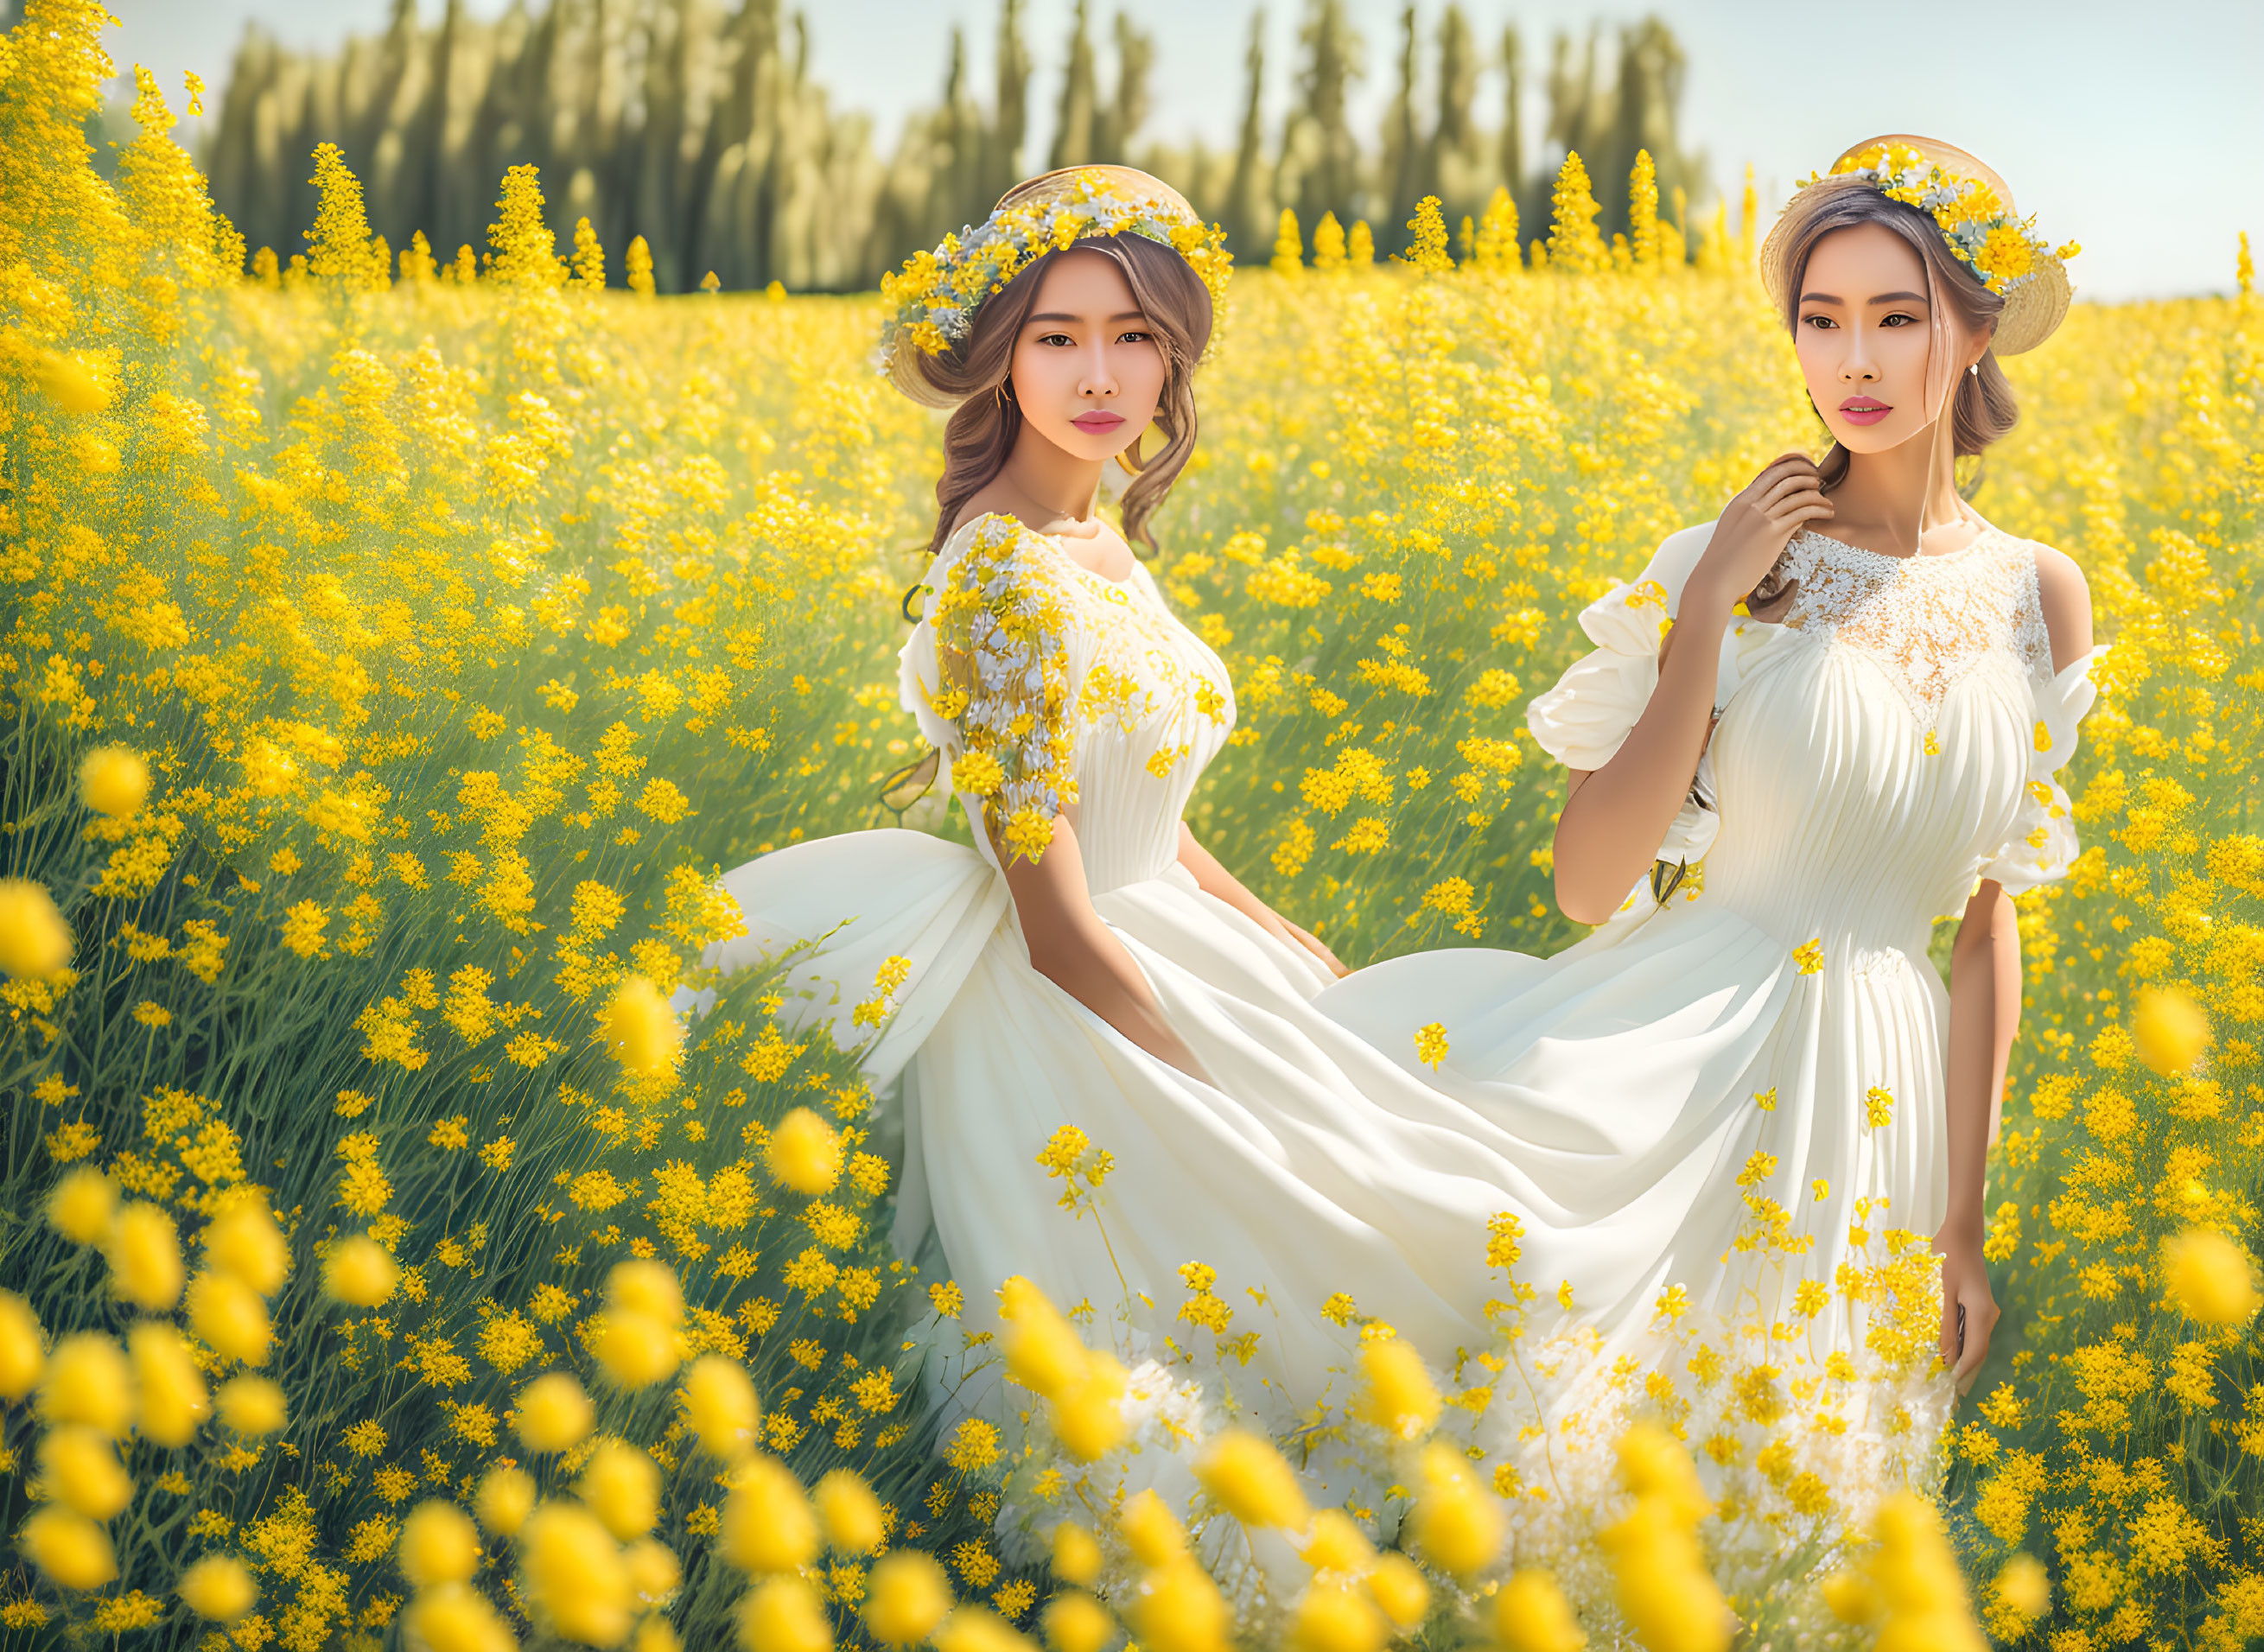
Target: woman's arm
point(1216, 881)
point(1985, 1013)
point(1073, 948)
point(1616, 816)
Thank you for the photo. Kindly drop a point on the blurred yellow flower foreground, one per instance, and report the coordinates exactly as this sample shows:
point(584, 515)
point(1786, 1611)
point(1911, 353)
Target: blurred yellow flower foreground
point(399, 641)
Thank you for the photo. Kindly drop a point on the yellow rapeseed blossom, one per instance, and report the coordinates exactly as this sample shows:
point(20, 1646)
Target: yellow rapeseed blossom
point(69, 384)
point(145, 1257)
point(2210, 1278)
point(1458, 1524)
point(242, 1240)
point(34, 940)
point(359, 1273)
point(504, 1499)
point(2024, 1585)
point(455, 1617)
point(82, 1206)
point(68, 1548)
point(1397, 1394)
point(87, 1380)
point(621, 1485)
point(250, 1406)
point(784, 1615)
point(804, 1154)
point(170, 1390)
point(768, 1525)
point(219, 1587)
point(854, 1521)
point(573, 1576)
point(1250, 1479)
point(654, 1570)
point(720, 1402)
point(1334, 1616)
point(438, 1545)
point(230, 1316)
point(113, 780)
point(554, 1413)
point(637, 1350)
point(1074, 1621)
point(23, 1357)
point(907, 1596)
point(2170, 1029)
point(1530, 1614)
point(1075, 1554)
point(83, 1472)
point(1338, 1544)
point(1180, 1609)
point(640, 1029)
point(1151, 1530)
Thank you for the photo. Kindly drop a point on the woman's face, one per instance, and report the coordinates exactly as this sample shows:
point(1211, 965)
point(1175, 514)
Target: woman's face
point(1087, 373)
point(1862, 337)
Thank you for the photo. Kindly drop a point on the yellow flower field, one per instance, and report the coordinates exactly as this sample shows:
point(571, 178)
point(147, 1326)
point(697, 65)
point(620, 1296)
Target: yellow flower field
point(397, 645)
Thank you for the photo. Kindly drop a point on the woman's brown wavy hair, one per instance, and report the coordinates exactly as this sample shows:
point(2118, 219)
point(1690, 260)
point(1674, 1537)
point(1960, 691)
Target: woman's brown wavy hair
point(973, 377)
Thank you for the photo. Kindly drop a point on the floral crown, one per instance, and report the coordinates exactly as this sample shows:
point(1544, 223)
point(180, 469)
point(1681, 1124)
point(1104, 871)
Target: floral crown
point(935, 295)
point(2001, 249)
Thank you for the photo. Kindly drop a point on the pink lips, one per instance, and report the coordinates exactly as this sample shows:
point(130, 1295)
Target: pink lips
point(1098, 423)
point(1858, 410)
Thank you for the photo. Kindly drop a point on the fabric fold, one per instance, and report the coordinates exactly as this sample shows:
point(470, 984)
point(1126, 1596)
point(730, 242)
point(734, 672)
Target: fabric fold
point(2044, 845)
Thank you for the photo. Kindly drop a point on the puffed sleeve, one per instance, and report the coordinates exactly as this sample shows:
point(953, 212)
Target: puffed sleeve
point(2044, 844)
point(1583, 721)
point(987, 674)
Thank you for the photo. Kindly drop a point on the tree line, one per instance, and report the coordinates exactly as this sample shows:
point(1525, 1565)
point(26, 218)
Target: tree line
point(702, 131)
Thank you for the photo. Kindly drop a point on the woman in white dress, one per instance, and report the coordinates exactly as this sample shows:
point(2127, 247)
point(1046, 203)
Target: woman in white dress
point(1885, 725)
point(1088, 963)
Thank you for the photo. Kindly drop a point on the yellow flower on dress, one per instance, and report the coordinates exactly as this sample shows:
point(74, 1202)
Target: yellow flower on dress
point(1810, 956)
point(1431, 1044)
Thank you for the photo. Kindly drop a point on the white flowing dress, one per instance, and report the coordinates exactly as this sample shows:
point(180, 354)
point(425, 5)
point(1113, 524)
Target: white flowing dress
point(1892, 741)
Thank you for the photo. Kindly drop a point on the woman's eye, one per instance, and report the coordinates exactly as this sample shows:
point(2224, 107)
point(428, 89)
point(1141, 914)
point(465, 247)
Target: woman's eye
point(1135, 338)
point(1820, 321)
point(1899, 320)
point(1055, 338)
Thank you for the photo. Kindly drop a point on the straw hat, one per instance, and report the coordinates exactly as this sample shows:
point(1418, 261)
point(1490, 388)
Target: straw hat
point(2033, 308)
point(1128, 182)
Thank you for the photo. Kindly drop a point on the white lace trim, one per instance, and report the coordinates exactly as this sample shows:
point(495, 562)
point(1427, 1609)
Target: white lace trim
point(1925, 620)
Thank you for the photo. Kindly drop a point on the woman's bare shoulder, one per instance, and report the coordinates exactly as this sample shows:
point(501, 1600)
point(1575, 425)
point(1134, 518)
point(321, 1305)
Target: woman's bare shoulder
point(2064, 596)
point(991, 499)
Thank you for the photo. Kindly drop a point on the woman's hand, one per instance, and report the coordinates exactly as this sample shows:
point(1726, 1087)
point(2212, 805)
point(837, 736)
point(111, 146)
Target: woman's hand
point(1314, 944)
point(1756, 526)
point(1965, 1286)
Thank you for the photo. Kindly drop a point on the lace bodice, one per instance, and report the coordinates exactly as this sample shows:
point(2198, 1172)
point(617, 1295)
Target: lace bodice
point(1924, 620)
point(1049, 686)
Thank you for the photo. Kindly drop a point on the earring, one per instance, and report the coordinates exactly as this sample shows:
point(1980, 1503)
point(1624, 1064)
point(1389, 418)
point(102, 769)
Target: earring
point(1975, 370)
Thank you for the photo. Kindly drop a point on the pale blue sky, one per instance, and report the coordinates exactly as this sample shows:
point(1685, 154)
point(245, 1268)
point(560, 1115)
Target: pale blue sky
point(2135, 127)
